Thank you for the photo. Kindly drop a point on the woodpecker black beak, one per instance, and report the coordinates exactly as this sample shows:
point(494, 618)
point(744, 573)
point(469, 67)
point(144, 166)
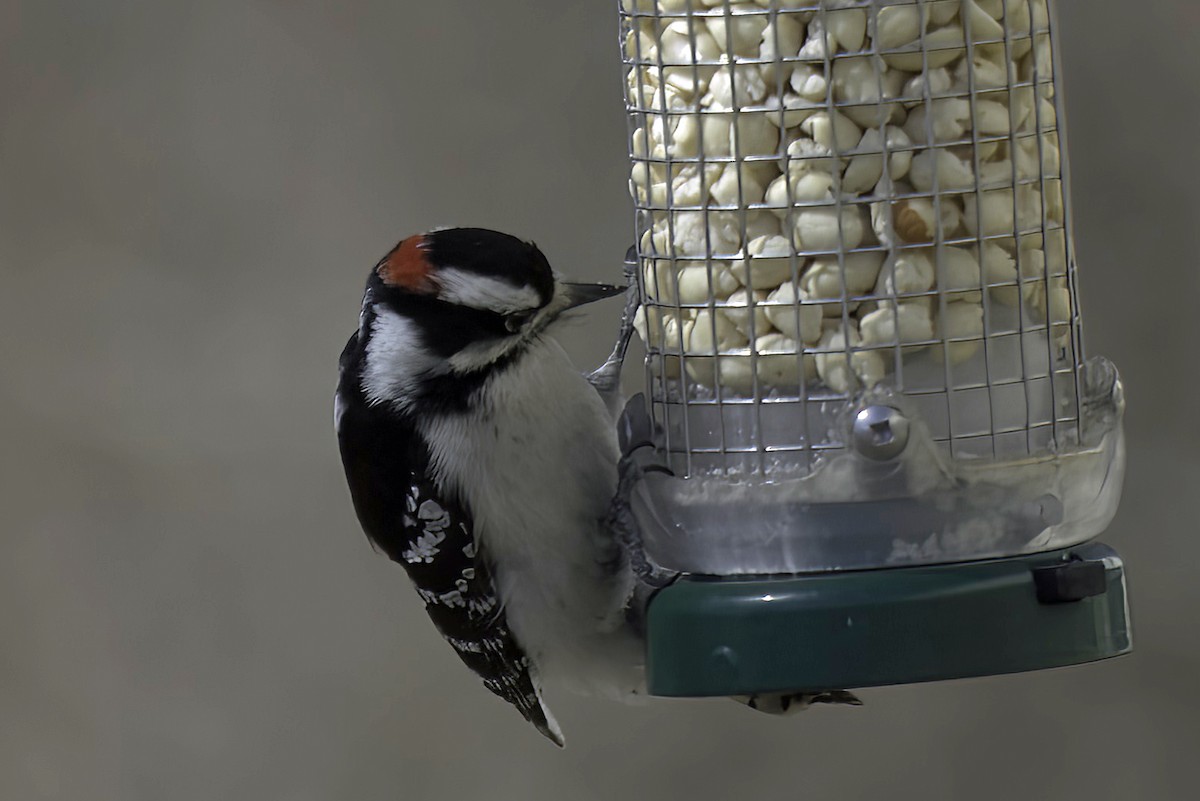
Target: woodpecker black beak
point(579, 294)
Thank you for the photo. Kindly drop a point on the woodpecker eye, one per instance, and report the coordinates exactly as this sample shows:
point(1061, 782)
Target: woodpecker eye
point(516, 321)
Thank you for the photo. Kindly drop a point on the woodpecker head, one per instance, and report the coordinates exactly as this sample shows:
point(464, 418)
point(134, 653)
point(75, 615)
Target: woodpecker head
point(457, 303)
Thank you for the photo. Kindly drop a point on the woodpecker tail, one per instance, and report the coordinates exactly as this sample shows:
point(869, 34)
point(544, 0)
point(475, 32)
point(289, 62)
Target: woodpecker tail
point(544, 722)
point(790, 703)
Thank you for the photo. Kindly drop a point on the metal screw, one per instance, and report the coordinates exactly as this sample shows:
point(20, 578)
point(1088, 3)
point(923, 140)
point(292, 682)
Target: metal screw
point(880, 432)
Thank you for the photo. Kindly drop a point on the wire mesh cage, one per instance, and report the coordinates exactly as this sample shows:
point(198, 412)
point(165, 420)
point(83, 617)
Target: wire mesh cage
point(858, 286)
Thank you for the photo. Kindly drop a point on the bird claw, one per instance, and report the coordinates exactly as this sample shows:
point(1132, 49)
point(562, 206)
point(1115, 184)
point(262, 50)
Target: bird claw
point(607, 378)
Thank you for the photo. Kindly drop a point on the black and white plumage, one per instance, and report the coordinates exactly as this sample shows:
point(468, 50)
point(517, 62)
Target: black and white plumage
point(484, 463)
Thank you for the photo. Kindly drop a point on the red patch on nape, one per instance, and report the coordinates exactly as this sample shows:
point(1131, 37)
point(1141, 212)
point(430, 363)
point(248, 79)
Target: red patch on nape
point(406, 266)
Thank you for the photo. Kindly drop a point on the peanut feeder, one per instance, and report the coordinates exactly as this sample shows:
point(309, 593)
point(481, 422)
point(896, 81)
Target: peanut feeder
point(864, 346)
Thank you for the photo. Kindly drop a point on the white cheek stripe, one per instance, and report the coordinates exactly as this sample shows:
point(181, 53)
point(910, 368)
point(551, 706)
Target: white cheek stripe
point(483, 292)
point(396, 359)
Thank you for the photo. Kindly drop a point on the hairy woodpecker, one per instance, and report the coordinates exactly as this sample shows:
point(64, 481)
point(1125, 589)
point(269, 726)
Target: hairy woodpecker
point(484, 463)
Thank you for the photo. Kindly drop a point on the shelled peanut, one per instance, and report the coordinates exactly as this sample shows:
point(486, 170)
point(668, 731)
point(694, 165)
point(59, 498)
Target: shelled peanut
point(828, 180)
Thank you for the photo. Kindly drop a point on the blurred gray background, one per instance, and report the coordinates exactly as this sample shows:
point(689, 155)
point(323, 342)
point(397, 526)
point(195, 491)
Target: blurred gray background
point(191, 195)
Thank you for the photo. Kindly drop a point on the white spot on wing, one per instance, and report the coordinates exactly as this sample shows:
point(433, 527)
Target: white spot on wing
point(424, 549)
point(433, 516)
point(465, 645)
point(454, 598)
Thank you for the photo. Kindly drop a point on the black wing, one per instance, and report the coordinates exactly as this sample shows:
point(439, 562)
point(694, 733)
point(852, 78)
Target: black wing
point(430, 535)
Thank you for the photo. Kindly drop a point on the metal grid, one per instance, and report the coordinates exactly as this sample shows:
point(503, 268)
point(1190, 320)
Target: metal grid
point(839, 198)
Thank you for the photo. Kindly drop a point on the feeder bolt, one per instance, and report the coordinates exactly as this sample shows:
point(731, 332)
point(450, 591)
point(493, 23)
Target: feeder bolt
point(880, 432)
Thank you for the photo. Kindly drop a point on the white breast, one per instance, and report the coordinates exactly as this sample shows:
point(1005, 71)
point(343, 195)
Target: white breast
point(537, 466)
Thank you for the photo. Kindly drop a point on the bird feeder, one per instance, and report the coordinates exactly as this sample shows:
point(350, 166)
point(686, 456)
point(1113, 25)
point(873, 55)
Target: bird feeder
point(871, 449)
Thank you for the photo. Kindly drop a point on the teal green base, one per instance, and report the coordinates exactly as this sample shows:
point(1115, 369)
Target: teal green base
point(734, 636)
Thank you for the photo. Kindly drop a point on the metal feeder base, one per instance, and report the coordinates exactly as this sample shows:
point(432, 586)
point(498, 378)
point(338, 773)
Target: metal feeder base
point(732, 636)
